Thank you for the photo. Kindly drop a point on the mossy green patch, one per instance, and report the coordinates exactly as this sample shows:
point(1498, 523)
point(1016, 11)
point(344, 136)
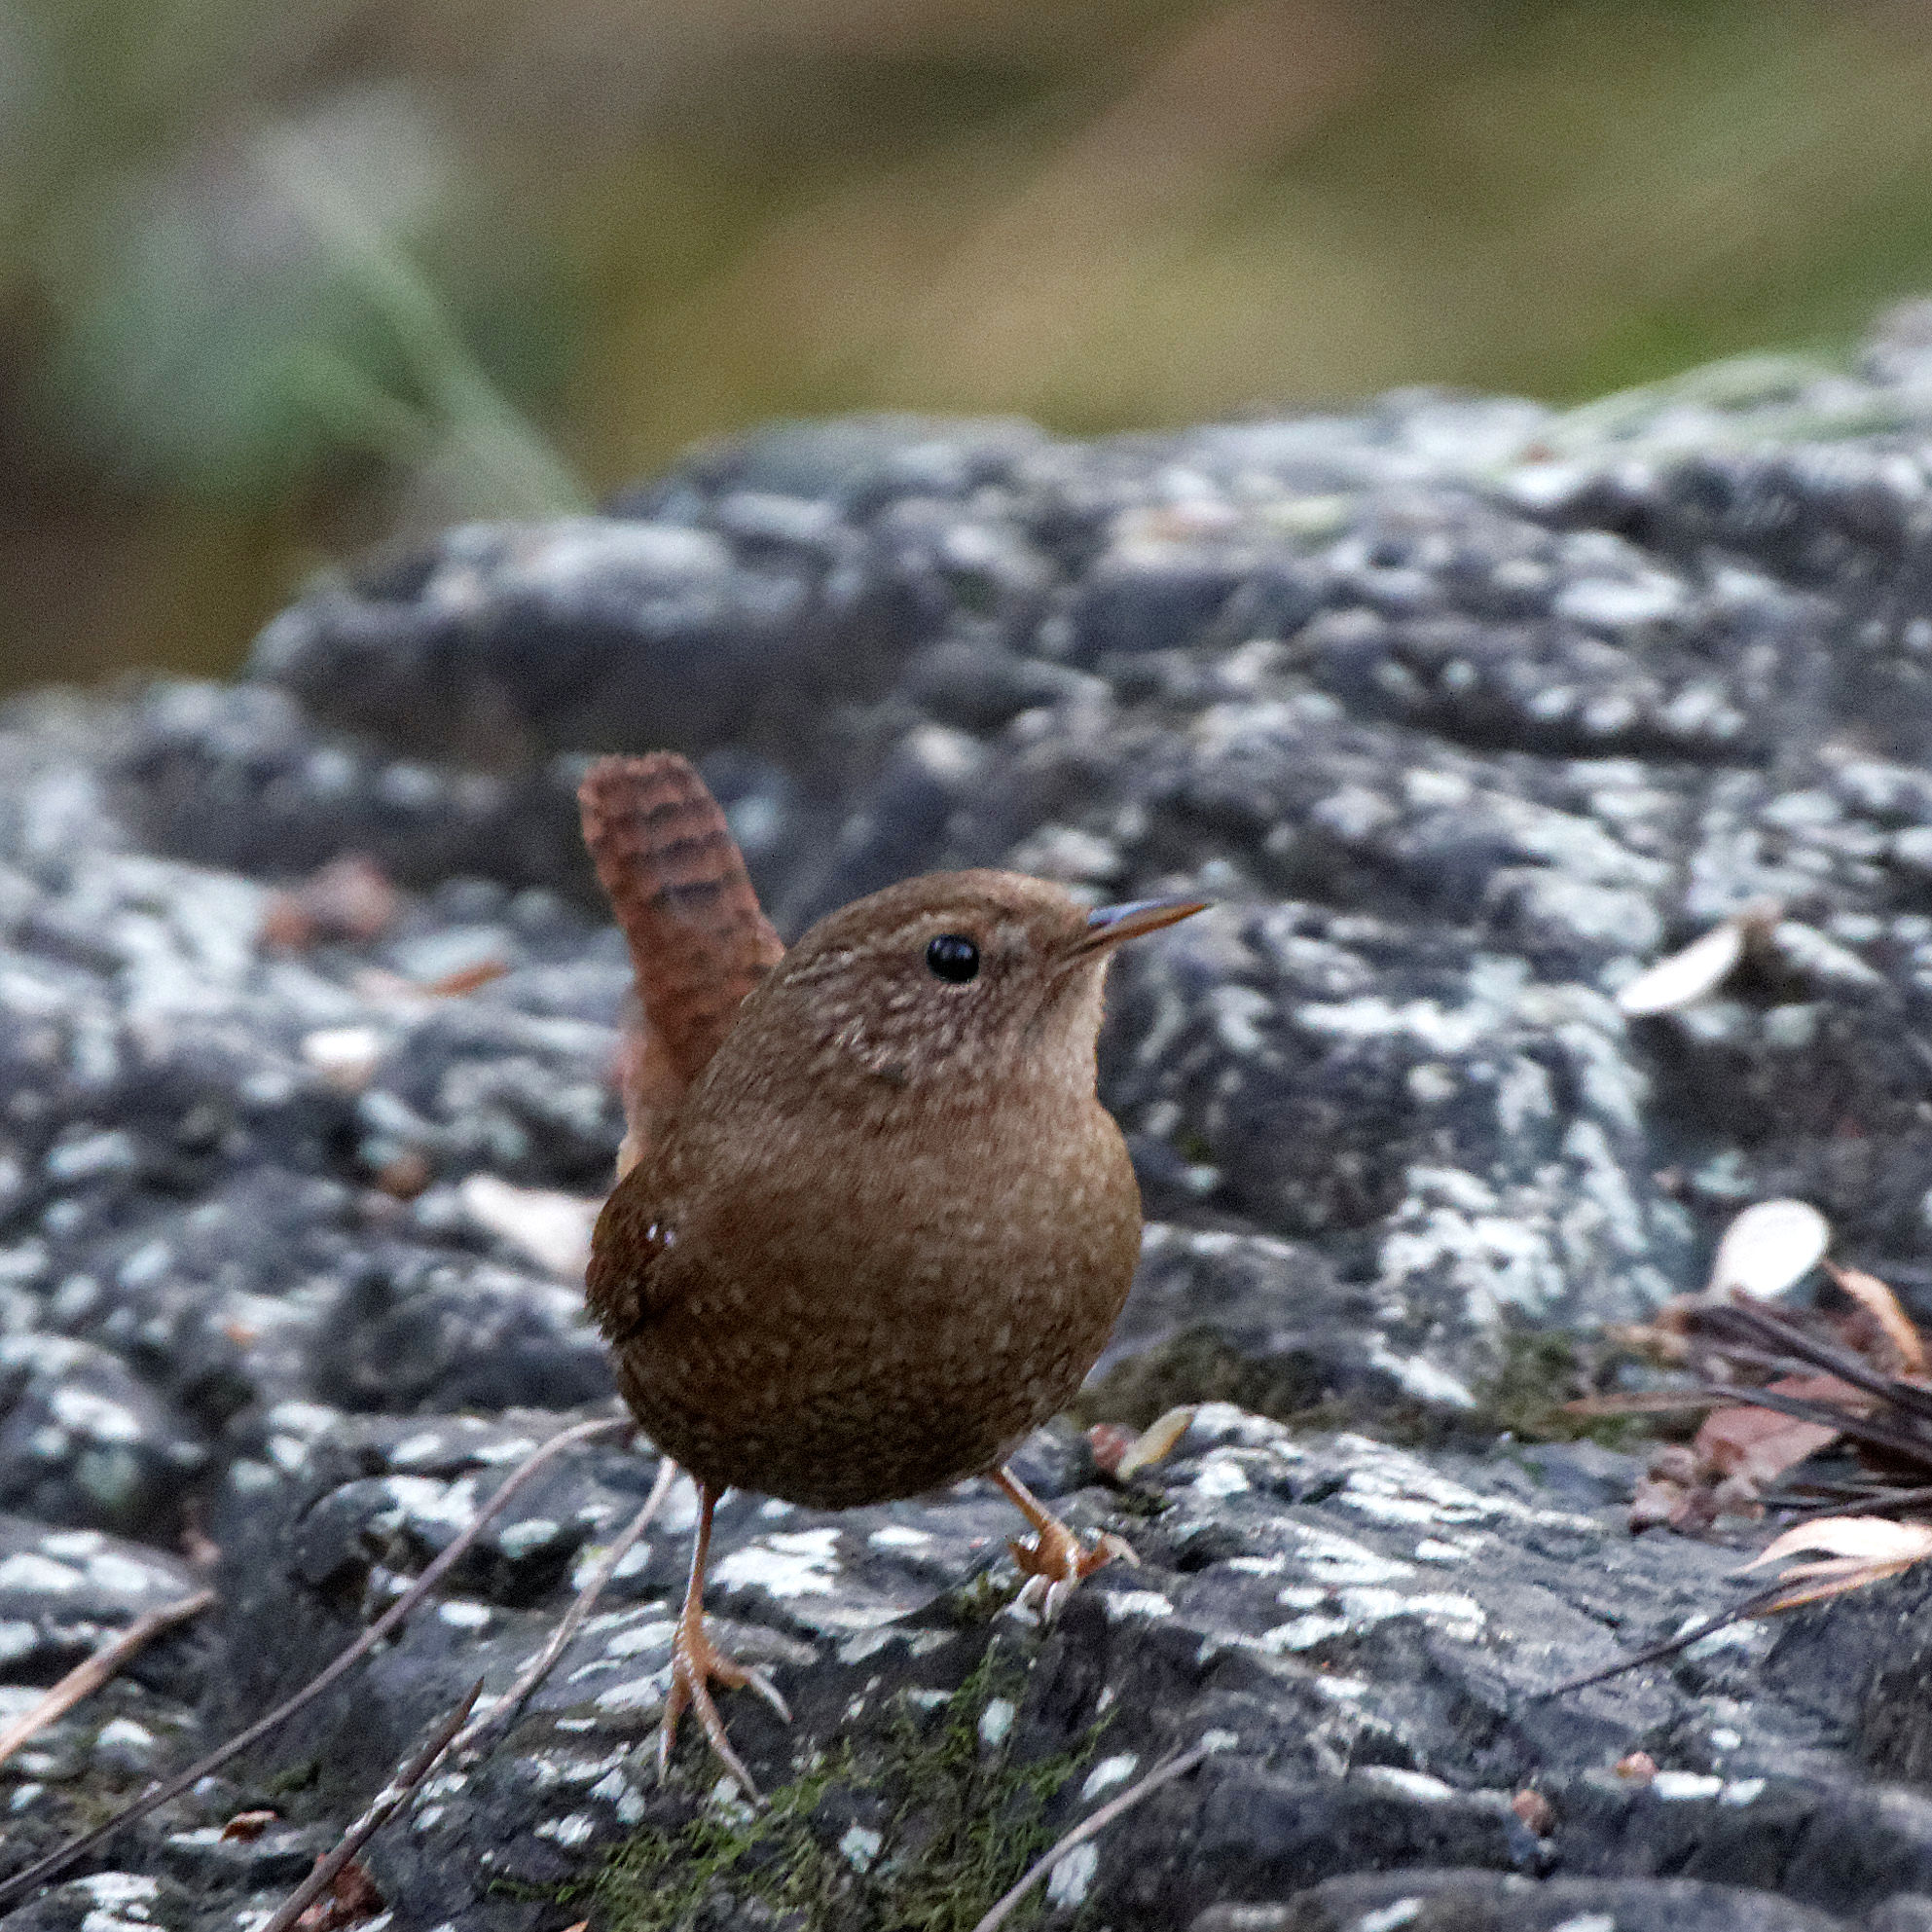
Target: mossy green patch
point(1542, 1370)
point(956, 1820)
point(1200, 1364)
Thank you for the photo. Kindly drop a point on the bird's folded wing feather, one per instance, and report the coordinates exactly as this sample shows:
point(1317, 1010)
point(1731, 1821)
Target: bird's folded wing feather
point(628, 1281)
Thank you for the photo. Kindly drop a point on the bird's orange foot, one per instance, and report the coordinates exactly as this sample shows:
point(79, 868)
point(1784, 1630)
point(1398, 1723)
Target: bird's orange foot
point(696, 1663)
point(1056, 1563)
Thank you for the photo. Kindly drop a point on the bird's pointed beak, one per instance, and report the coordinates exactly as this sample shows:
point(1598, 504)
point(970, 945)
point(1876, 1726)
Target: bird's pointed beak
point(1109, 924)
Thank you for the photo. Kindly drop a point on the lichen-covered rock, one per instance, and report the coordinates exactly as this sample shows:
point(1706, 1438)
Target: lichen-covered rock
point(1359, 1634)
point(1464, 712)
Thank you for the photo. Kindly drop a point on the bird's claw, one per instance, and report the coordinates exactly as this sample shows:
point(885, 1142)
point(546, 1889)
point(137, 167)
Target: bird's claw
point(1056, 1563)
point(695, 1663)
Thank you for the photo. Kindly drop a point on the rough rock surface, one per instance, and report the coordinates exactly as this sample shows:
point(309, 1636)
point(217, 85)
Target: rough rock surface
point(1464, 711)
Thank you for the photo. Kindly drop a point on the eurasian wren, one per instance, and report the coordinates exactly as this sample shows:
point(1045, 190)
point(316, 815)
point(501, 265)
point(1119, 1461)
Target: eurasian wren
point(873, 1225)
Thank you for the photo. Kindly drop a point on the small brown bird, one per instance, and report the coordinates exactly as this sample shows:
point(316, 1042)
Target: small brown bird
point(872, 1225)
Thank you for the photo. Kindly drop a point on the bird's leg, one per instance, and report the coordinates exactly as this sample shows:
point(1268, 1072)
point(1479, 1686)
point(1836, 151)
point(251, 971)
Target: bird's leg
point(695, 1661)
point(1055, 1561)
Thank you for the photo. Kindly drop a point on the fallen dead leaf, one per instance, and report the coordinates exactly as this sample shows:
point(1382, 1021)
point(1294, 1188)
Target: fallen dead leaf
point(351, 1898)
point(1156, 1443)
point(1769, 1249)
point(465, 979)
point(247, 1826)
point(554, 1229)
point(1684, 977)
point(1759, 1444)
point(1535, 1810)
point(1858, 1551)
point(346, 1057)
point(1882, 1305)
point(349, 898)
point(1108, 1442)
point(406, 1176)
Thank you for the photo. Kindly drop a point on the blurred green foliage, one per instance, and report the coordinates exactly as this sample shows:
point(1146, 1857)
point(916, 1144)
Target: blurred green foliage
point(278, 281)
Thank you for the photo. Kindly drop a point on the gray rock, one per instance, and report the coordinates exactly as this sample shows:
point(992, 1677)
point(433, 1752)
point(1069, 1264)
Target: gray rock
point(1498, 1901)
point(1463, 710)
point(1361, 1634)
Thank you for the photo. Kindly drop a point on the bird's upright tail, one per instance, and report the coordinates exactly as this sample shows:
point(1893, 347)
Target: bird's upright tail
point(699, 939)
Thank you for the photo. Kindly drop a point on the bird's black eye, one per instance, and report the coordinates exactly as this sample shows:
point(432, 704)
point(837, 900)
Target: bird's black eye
point(952, 958)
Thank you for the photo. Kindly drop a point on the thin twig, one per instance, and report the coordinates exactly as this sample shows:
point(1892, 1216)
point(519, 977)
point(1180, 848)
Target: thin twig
point(89, 1675)
point(1804, 1498)
point(1755, 1605)
point(1093, 1822)
point(382, 1809)
point(540, 1667)
point(16, 1888)
point(1779, 1334)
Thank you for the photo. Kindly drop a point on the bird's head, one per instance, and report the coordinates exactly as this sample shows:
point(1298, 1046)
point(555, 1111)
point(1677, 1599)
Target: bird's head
point(962, 977)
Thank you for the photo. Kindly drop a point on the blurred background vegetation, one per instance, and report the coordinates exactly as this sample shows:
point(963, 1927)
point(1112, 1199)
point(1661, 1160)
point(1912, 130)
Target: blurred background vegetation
point(278, 280)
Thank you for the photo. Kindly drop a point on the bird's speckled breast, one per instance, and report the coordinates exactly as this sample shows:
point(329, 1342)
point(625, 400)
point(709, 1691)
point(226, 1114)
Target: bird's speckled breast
point(772, 1349)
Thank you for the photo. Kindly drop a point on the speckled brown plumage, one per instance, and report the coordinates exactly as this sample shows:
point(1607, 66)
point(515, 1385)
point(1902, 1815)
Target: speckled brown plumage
point(888, 1232)
point(872, 1225)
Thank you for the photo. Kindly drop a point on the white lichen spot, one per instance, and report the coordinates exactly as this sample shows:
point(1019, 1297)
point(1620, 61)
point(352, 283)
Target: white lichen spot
point(93, 1416)
point(1338, 1560)
point(725, 1801)
point(67, 1544)
point(900, 1535)
point(1070, 1881)
point(859, 1847)
point(868, 1643)
point(1391, 1918)
point(424, 1499)
point(1419, 1376)
point(1418, 1785)
point(1221, 1476)
point(795, 1564)
point(1120, 1604)
point(1301, 1633)
point(461, 1614)
point(1523, 1094)
point(639, 1694)
point(121, 1574)
point(654, 1634)
point(532, 1533)
point(573, 1828)
point(1746, 1637)
point(1679, 1785)
point(1109, 1772)
point(26, 1570)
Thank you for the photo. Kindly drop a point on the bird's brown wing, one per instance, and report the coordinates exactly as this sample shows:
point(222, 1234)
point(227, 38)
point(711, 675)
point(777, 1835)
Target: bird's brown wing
point(698, 941)
point(625, 1281)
